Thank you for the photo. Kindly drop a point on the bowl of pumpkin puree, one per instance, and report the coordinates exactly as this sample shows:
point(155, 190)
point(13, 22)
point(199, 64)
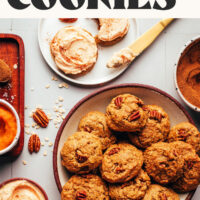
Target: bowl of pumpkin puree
point(187, 74)
point(9, 127)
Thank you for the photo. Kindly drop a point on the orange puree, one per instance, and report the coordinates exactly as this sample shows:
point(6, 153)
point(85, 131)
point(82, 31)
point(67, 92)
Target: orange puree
point(8, 127)
point(188, 74)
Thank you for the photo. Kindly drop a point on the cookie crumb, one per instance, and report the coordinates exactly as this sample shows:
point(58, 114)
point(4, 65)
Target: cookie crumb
point(24, 162)
point(45, 153)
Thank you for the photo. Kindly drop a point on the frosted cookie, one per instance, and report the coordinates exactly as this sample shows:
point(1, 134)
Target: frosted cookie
point(121, 162)
point(94, 122)
point(74, 50)
point(88, 187)
point(112, 30)
point(125, 114)
point(155, 130)
point(81, 153)
point(132, 190)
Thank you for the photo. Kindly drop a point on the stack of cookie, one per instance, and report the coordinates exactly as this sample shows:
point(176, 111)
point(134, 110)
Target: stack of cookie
point(109, 167)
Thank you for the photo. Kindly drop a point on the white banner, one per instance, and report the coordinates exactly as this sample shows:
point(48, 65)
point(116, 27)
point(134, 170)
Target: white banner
point(100, 8)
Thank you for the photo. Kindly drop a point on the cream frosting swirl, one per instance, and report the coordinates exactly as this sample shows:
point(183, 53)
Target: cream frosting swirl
point(74, 50)
point(21, 189)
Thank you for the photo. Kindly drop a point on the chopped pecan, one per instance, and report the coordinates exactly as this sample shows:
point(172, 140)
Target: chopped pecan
point(81, 195)
point(34, 144)
point(80, 158)
point(41, 118)
point(134, 116)
point(87, 129)
point(163, 196)
point(114, 151)
point(119, 170)
point(190, 164)
point(154, 114)
point(145, 108)
point(118, 102)
point(182, 133)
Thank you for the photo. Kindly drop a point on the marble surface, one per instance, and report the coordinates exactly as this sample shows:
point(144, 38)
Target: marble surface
point(154, 67)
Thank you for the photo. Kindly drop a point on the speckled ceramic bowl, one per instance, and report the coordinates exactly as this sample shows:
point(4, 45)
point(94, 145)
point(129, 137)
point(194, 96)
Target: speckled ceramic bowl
point(188, 45)
point(13, 144)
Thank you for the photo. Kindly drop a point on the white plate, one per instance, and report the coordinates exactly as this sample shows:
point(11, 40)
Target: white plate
point(98, 101)
point(100, 74)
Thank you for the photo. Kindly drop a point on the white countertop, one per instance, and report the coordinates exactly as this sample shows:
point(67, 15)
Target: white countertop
point(154, 67)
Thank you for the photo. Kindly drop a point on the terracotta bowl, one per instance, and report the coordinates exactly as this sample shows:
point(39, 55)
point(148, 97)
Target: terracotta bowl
point(32, 182)
point(184, 50)
point(13, 144)
point(98, 101)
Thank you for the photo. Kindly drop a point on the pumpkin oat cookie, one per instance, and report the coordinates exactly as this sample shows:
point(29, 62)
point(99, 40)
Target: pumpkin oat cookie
point(155, 130)
point(125, 114)
point(88, 187)
point(163, 163)
point(81, 153)
point(121, 162)
point(94, 122)
point(157, 192)
point(134, 189)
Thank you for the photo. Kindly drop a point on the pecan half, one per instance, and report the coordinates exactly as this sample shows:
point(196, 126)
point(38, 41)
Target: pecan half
point(134, 116)
point(118, 102)
point(80, 158)
point(119, 170)
point(114, 151)
point(182, 133)
point(34, 144)
point(81, 195)
point(87, 129)
point(41, 118)
point(154, 114)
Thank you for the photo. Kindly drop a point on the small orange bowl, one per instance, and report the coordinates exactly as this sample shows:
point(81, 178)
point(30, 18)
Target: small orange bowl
point(8, 106)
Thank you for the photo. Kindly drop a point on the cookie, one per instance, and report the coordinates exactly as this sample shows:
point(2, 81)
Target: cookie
point(121, 162)
point(134, 189)
point(157, 192)
point(155, 130)
point(125, 114)
point(95, 123)
point(186, 132)
point(112, 30)
point(88, 187)
point(162, 163)
point(74, 50)
point(191, 170)
point(81, 153)
point(5, 72)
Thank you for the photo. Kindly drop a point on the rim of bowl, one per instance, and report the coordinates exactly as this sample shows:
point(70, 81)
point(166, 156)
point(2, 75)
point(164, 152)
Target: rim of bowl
point(93, 94)
point(25, 179)
point(187, 44)
point(15, 140)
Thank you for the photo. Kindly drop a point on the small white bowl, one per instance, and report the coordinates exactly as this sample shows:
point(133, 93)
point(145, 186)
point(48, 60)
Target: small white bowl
point(183, 50)
point(13, 144)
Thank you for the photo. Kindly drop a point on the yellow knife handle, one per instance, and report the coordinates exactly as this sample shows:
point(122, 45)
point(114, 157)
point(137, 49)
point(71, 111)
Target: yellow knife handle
point(148, 38)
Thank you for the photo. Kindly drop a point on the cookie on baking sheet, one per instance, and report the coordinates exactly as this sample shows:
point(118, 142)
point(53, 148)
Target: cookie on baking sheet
point(155, 130)
point(125, 114)
point(186, 132)
point(191, 170)
point(112, 30)
point(163, 163)
point(121, 162)
point(134, 189)
point(157, 192)
point(88, 187)
point(94, 122)
point(81, 153)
